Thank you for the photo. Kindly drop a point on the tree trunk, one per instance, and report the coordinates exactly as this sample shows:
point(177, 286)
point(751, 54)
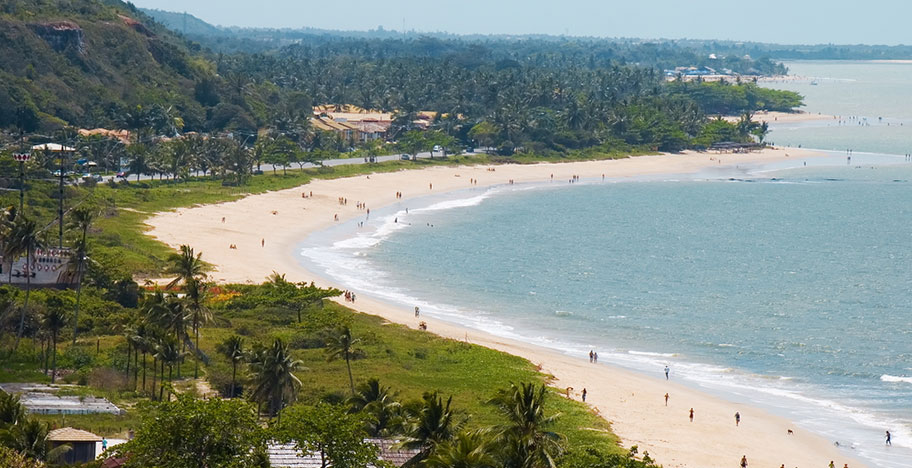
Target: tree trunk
point(197, 361)
point(144, 371)
point(129, 349)
point(351, 381)
point(28, 292)
point(161, 390)
point(78, 288)
point(46, 351)
point(54, 357)
point(135, 368)
point(154, 374)
point(233, 377)
point(170, 371)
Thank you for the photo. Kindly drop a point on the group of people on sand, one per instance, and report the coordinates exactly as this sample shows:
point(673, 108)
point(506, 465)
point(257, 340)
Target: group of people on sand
point(398, 195)
point(343, 201)
point(349, 296)
point(593, 356)
point(473, 181)
point(574, 179)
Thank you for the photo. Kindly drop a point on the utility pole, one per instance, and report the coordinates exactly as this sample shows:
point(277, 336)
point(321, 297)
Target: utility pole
point(22, 158)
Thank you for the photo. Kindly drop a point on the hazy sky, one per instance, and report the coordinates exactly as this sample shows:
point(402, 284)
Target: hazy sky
point(782, 21)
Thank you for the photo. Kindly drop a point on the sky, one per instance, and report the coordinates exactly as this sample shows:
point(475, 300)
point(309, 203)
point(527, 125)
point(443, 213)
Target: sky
point(779, 21)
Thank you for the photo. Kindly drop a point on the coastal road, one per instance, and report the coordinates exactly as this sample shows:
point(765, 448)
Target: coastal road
point(327, 162)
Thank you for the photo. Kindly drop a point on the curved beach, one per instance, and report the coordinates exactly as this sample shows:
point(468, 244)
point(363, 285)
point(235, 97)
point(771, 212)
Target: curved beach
point(266, 229)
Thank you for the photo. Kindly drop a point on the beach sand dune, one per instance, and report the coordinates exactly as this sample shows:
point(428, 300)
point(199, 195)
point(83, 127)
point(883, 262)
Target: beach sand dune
point(266, 228)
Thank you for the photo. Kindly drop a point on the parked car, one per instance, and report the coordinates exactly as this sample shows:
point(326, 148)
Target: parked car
point(438, 149)
point(405, 157)
point(122, 175)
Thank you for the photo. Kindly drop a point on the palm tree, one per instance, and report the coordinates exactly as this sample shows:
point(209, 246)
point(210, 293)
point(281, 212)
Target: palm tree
point(185, 265)
point(11, 410)
point(54, 319)
point(169, 353)
point(379, 404)
point(197, 313)
point(274, 381)
point(25, 238)
point(527, 441)
point(81, 219)
point(233, 349)
point(341, 345)
point(29, 437)
point(468, 450)
point(434, 424)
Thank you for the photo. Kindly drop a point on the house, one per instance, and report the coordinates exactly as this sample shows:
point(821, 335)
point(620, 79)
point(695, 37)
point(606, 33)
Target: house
point(83, 443)
point(287, 456)
point(346, 131)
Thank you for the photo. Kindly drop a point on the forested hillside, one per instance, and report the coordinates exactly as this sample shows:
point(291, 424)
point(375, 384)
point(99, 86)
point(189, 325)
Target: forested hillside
point(103, 63)
point(84, 62)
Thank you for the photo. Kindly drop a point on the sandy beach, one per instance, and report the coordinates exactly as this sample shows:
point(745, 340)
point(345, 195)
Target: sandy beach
point(785, 117)
point(266, 228)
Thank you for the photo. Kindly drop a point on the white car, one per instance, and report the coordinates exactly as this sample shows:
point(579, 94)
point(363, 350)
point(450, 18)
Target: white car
point(437, 148)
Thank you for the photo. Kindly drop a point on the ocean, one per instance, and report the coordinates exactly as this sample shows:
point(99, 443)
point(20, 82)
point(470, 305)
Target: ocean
point(784, 286)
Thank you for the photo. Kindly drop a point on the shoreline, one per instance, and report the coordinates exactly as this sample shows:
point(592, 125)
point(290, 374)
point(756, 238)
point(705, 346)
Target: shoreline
point(632, 402)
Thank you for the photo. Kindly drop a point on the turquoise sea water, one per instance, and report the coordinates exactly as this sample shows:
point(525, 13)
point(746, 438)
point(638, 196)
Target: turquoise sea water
point(784, 286)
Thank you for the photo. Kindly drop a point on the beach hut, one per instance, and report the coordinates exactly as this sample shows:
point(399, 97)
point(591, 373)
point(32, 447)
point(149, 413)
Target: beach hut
point(82, 442)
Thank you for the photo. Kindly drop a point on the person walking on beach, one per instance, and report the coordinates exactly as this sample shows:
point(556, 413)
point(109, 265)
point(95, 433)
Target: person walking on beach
point(591, 355)
point(832, 465)
point(666, 372)
point(737, 418)
point(584, 395)
point(691, 415)
point(744, 461)
point(417, 312)
point(888, 441)
point(666, 399)
point(595, 358)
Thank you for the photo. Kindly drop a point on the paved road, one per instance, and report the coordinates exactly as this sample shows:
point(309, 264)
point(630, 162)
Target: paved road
point(328, 162)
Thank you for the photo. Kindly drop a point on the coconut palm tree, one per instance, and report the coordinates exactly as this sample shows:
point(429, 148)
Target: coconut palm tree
point(379, 404)
point(525, 438)
point(468, 450)
point(29, 437)
point(186, 265)
point(53, 320)
point(198, 314)
point(169, 353)
point(340, 344)
point(24, 237)
point(11, 410)
point(273, 376)
point(434, 424)
point(233, 349)
point(81, 218)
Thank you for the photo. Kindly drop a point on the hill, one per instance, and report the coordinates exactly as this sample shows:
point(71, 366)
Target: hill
point(183, 23)
point(85, 62)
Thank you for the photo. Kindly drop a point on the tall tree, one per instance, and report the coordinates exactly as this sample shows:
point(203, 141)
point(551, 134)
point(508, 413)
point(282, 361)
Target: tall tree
point(340, 344)
point(527, 441)
point(233, 349)
point(24, 237)
point(379, 405)
point(274, 380)
point(81, 219)
point(187, 265)
point(198, 313)
point(53, 320)
point(434, 424)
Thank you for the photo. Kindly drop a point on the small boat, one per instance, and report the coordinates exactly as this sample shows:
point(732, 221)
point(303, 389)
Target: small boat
point(814, 83)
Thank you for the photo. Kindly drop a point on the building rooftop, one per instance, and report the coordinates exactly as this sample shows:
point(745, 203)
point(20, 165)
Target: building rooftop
point(68, 434)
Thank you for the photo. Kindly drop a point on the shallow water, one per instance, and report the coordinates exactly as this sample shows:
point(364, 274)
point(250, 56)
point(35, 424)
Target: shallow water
point(783, 286)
